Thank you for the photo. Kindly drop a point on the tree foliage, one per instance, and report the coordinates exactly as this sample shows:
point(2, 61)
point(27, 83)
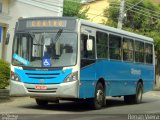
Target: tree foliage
point(4, 74)
point(142, 19)
point(73, 8)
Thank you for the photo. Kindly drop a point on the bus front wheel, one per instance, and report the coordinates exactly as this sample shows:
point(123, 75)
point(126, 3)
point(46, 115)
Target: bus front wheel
point(137, 98)
point(99, 100)
point(41, 102)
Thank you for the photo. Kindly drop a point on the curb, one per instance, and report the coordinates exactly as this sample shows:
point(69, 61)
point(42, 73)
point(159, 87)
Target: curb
point(156, 89)
point(5, 100)
point(4, 94)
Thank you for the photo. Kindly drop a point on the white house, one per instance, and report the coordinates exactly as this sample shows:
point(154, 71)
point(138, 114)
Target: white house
point(11, 10)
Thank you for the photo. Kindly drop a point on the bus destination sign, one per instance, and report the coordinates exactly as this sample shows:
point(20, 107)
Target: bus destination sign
point(46, 23)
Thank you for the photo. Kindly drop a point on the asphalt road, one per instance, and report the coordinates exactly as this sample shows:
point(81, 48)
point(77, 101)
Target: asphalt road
point(25, 108)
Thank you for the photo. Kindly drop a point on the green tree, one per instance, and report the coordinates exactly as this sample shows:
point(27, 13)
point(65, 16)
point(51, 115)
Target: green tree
point(73, 8)
point(140, 18)
point(4, 74)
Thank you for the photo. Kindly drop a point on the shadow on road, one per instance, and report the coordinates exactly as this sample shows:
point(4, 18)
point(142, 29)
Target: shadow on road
point(77, 106)
point(63, 106)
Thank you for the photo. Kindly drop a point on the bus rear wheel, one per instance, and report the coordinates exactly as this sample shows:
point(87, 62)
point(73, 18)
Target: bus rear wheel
point(99, 100)
point(137, 98)
point(41, 102)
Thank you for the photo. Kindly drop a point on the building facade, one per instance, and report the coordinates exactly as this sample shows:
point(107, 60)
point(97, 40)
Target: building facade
point(96, 9)
point(12, 10)
point(4, 17)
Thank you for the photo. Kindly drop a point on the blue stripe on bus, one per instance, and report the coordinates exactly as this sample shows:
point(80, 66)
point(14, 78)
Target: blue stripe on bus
point(43, 77)
point(118, 75)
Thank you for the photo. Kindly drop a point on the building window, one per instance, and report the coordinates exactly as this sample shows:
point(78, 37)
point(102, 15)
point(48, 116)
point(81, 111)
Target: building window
point(115, 47)
point(102, 45)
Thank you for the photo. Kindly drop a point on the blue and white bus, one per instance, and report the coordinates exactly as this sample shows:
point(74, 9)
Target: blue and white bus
point(63, 58)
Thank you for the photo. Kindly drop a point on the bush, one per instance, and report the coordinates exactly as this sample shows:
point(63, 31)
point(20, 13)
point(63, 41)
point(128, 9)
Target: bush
point(4, 74)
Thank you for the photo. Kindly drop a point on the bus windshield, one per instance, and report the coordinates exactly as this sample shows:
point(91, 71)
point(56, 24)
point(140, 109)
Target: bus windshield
point(57, 49)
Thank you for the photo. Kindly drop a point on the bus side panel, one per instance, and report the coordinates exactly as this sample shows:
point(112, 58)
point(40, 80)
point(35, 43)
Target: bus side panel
point(87, 80)
point(148, 76)
point(117, 76)
point(121, 77)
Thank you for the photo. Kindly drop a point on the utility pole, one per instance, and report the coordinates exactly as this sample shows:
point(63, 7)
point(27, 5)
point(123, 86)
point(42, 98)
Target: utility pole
point(121, 15)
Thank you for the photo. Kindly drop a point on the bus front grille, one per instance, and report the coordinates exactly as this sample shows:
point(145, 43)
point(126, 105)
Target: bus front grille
point(42, 76)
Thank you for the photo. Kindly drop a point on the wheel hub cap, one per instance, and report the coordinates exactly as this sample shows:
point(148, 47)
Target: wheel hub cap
point(99, 96)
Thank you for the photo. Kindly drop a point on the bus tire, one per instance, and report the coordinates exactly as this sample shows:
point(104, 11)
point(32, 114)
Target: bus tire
point(139, 93)
point(41, 102)
point(128, 99)
point(137, 98)
point(99, 100)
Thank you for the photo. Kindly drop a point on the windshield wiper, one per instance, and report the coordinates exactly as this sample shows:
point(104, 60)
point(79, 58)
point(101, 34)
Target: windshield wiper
point(58, 35)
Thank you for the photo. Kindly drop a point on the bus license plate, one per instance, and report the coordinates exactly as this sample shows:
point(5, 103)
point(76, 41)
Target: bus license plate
point(40, 87)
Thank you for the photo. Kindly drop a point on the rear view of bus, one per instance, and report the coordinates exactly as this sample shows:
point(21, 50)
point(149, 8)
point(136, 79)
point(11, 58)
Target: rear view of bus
point(44, 59)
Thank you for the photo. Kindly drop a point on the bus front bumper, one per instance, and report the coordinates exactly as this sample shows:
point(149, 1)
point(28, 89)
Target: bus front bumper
point(63, 90)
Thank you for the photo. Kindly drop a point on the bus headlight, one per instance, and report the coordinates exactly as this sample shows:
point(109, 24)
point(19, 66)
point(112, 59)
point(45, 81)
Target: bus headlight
point(72, 77)
point(15, 77)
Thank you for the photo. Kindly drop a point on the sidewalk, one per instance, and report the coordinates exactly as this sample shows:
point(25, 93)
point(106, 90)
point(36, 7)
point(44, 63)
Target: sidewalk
point(156, 89)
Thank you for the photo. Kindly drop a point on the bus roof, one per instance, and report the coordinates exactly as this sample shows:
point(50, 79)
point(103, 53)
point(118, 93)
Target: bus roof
point(115, 30)
point(84, 22)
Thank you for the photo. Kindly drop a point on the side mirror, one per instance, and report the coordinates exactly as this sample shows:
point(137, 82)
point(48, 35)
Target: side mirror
point(89, 45)
point(7, 38)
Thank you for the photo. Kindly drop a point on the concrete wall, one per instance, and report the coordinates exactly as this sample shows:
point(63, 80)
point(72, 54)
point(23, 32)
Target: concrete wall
point(17, 9)
point(96, 8)
point(1, 41)
point(3, 24)
point(5, 8)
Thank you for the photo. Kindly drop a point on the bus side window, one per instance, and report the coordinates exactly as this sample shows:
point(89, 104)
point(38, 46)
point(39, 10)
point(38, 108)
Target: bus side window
point(127, 49)
point(115, 47)
point(149, 53)
point(102, 44)
point(139, 51)
point(84, 52)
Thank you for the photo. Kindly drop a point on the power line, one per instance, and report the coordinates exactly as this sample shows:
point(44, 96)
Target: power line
point(139, 7)
point(146, 13)
point(146, 9)
point(156, 16)
point(143, 14)
point(136, 10)
point(134, 5)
